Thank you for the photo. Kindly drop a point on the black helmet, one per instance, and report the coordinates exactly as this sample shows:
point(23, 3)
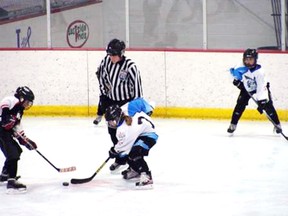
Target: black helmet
point(25, 93)
point(113, 115)
point(250, 53)
point(116, 47)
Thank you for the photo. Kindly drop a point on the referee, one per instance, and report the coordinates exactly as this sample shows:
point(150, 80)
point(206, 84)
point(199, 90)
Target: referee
point(119, 82)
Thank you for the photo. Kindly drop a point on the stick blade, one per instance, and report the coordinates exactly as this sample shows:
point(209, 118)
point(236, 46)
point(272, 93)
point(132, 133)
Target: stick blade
point(80, 181)
point(68, 169)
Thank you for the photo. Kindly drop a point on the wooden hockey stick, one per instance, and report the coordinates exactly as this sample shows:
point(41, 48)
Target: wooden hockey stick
point(85, 180)
point(67, 169)
point(275, 125)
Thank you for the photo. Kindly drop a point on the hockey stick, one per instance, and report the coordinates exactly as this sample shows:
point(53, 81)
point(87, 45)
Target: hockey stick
point(85, 180)
point(67, 169)
point(275, 125)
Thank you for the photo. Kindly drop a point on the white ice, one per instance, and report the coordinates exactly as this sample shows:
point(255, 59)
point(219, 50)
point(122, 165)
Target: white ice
point(197, 170)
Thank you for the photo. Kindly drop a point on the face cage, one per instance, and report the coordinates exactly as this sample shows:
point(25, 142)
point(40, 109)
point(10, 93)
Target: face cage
point(27, 104)
point(250, 65)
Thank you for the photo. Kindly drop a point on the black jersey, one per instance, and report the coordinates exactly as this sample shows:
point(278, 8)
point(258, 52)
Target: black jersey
point(120, 81)
point(10, 106)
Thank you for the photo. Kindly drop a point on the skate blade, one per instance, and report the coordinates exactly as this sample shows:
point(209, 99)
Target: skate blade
point(144, 187)
point(11, 191)
point(230, 134)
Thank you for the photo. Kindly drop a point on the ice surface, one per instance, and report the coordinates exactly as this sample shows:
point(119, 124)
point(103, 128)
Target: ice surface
point(197, 170)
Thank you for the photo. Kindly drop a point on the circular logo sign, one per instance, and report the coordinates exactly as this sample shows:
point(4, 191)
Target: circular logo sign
point(77, 34)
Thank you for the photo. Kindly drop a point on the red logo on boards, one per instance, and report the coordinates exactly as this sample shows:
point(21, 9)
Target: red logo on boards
point(77, 34)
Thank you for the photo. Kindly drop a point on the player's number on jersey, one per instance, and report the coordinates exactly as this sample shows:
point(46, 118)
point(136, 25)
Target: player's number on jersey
point(140, 121)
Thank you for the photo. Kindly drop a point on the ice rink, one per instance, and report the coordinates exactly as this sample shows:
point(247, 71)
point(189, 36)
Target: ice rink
point(198, 170)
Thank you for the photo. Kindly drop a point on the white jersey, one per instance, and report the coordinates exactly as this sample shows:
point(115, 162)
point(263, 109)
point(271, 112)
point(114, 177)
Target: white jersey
point(8, 102)
point(255, 81)
point(142, 125)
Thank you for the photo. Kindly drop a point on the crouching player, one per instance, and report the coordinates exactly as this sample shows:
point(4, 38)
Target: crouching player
point(136, 136)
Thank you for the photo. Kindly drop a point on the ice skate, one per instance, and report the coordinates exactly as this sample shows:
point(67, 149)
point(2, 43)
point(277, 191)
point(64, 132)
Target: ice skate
point(14, 187)
point(3, 177)
point(98, 119)
point(231, 128)
point(277, 129)
point(114, 166)
point(130, 174)
point(146, 181)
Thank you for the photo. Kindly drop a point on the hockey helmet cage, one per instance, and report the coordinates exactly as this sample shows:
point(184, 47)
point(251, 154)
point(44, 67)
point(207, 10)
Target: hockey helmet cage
point(250, 53)
point(25, 92)
point(116, 48)
point(113, 115)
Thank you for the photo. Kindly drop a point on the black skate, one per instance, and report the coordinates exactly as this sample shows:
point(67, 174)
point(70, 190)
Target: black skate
point(4, 177)
point(231, 128)
point(114, 166)
point(278, 129)
point(97, 120)
point(13, 186)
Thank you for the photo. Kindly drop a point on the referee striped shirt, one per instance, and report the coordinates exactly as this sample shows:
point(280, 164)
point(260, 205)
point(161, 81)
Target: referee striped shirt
point(120, 81)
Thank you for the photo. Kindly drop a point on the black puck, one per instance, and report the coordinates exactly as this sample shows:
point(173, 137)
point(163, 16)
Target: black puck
point(65, 184)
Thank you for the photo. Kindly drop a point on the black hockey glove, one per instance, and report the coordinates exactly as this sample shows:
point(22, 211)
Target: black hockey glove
point(262, 105)
point(238, 84)
point(113, 153)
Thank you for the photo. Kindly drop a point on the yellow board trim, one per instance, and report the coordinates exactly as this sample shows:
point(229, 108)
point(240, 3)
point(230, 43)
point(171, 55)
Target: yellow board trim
point(161, 112)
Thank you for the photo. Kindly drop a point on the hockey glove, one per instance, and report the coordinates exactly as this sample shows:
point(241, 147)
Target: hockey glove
point(238, 72)
point(238, 84)
point(9, 122)
point(23, 140)
point(261, 105)
point(113, 153)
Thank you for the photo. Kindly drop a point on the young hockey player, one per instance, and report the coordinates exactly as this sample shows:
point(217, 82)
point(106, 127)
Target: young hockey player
point(250, 79)
point(136, 136)
point(11, 111)
point(119, 82)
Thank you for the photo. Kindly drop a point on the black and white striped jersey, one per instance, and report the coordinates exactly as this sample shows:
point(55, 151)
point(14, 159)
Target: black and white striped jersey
point(120, 81)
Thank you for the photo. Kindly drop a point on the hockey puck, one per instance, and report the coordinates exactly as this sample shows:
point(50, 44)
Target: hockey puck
point(65, 184)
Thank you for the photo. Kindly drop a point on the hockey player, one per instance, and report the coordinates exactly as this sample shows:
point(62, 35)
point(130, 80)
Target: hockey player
point(119, 82)
point(136, 136)
point(11, 135)
point(250, 79)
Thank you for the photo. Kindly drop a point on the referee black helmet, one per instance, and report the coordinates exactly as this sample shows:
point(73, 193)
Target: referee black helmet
point(116, 48)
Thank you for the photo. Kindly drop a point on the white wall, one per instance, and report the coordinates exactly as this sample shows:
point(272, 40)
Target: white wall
point(171, 79)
